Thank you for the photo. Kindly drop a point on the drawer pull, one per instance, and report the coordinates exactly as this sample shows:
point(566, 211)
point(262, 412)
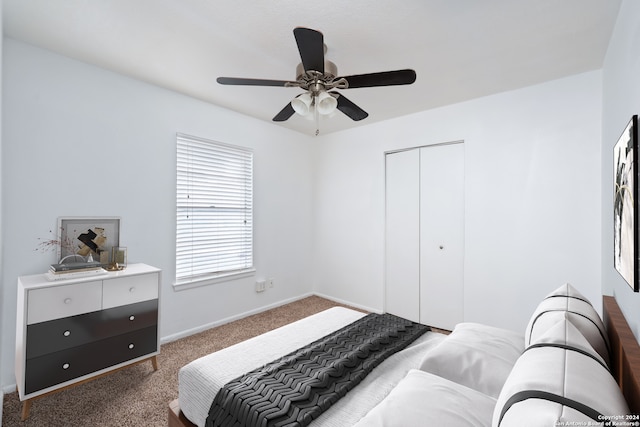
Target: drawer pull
point(67, 300)
point(131, 346)
point(65, 366)
point(66, 333)
point(132, 289)
point(132, 318)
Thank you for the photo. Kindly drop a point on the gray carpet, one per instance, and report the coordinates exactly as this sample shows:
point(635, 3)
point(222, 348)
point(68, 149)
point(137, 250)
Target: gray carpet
point(138, 396)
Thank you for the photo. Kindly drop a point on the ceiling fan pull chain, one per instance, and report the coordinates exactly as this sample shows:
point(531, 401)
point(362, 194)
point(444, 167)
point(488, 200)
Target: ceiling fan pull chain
point(317, 114)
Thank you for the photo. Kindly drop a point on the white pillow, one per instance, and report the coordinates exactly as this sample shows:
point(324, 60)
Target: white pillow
point(564, 334)
point(557, 386)
point(567, 290)
point(566, 301)
point(475, 355)
point(422, 399)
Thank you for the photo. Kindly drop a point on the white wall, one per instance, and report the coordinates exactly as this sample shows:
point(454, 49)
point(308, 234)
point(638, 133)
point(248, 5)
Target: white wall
point(82, 141)
point(532, 216)
point(621, 100)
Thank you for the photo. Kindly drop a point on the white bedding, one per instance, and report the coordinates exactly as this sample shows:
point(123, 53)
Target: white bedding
point(200, 380)
point(424, 399)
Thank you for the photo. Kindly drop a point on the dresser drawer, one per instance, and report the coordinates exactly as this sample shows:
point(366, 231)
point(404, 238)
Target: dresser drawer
point(129, 318)
point(62, 301)
point(52, 369)
point(55, 335)
point(60, 334)
point(129, 290)
point(129, 346)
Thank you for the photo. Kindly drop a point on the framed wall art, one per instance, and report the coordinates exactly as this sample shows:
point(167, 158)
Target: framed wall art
point(625, 205)
point(88, 238)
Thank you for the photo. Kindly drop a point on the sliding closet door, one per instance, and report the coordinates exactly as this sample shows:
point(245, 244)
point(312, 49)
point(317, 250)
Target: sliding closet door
point(402, 234)
point(442, 235)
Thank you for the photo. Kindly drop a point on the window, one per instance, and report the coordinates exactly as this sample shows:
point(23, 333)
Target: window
point(214, 199)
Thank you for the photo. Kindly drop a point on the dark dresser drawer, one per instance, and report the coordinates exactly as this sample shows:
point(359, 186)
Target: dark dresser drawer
point(61, 334)
point(128, 318)
point(55, 368)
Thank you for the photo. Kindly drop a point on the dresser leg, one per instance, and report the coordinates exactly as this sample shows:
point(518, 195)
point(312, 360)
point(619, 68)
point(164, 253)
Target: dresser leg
point(26, 406)
point(154, 362)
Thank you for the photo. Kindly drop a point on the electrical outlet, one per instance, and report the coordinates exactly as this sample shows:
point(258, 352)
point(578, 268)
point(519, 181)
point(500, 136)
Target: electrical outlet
point(261, 285)
point(271, 282)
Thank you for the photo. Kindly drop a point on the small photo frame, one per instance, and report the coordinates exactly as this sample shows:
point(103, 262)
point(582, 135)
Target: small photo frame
point(625, 205)
point(119, 257)
point(84, 236)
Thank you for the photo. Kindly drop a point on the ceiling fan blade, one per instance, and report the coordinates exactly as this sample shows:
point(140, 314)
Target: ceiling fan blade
point(311, 46)
point(284, 114)
point(250, 82)
point(384, 78)
point(349, 108)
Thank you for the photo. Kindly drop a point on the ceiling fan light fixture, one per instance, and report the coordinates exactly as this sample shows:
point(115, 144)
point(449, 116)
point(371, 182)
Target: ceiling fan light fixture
point(302, 104)
point(325, 103)
point(318, 78)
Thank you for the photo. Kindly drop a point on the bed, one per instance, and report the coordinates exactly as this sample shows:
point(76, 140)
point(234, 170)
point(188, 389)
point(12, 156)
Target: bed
point(476, 376)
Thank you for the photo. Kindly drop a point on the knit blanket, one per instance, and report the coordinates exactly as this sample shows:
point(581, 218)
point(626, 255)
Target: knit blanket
point(295, 389)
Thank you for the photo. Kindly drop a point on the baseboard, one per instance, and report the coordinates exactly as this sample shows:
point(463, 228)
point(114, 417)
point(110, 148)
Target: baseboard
point(349, 303)
point(202, 328)
point(8, 389)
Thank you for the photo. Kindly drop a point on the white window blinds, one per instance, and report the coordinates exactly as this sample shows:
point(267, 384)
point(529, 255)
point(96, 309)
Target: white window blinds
point(214, 227)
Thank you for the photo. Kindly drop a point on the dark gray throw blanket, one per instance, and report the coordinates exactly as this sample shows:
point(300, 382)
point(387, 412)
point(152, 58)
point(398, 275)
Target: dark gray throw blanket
point(295, 389)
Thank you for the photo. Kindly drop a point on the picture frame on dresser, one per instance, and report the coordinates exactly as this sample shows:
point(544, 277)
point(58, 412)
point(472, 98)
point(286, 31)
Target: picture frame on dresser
point(625, 205)
point(84, 236)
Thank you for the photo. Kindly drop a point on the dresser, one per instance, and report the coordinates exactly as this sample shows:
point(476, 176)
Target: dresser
point(74, 330)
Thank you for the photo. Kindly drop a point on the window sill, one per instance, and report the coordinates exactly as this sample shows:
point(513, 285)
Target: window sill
point(213, 279)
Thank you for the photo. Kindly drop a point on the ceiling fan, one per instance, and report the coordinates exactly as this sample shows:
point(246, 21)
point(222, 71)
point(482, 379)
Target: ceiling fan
point(319, 77)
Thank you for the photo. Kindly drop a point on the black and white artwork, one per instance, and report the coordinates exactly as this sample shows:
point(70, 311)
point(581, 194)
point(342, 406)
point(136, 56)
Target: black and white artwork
point(88, 238)
point(625, 209)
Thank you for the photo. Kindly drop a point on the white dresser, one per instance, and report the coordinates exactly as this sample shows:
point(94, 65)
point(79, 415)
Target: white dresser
point(73, 330)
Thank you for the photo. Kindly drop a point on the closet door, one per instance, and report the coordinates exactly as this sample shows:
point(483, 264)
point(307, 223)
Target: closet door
point(402, 234)
point(442, 235)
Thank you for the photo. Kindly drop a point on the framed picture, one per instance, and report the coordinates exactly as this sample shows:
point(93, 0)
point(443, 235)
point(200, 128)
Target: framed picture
point(81, 237)
point(625, 205)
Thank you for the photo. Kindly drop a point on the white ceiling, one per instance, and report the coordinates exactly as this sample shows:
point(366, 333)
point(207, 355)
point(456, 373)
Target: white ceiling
point(460, 49)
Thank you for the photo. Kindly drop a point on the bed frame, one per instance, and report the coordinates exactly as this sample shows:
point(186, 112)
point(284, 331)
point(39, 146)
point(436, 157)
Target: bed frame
point(625, 352)
point(176, 417)
point(625, 360)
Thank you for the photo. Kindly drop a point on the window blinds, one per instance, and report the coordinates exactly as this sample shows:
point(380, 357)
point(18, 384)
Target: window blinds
point(214, 226)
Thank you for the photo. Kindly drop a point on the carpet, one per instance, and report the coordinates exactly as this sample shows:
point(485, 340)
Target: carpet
point(138, 396)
